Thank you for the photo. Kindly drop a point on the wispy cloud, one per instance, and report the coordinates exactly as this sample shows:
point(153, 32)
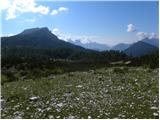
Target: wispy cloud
point(30, 20)
point(143, 35)
point(54, 12)
point(56, 31)
point(11, 34)
point(59, 10)
point(153, 36)
point(4, 4)
point(67, 37)
point(131, 28)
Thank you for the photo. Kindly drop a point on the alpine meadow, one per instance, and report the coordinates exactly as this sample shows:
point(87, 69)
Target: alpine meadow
point(79, 59)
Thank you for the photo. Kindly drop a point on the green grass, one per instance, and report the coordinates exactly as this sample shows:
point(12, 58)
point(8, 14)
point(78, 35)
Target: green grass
point(116, 92)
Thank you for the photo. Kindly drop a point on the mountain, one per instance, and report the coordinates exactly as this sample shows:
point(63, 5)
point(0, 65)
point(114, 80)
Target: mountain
point(121, 46)
point(91, 45)
point(39, 46)
point(140, 48)
point(36, 38)
point(154, 42)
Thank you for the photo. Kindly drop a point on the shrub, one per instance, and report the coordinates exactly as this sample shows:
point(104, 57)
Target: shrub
point(8, 77)
point(57, 71)
point(118, 70)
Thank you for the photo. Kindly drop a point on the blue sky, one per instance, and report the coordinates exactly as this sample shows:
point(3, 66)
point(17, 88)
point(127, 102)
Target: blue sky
point(103, 22)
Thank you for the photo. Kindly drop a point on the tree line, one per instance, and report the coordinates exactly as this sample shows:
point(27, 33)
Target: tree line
point(36, 57)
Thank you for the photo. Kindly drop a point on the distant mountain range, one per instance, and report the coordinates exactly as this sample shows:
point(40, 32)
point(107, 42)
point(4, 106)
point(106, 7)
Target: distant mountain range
point(43, 38)
point(140, 48)
point(91, 45)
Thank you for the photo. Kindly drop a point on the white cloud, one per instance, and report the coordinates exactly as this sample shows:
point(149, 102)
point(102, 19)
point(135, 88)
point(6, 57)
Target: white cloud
point(10, 34)
point(41, 9)
point(82, 38)
point(153, 36)
point(59, 10)
point(30, 20)
point(131, 28)
point(56, 31)
point(62, 9)
point(60, 35)
point(4, 4)
point(17, 7)
point(67, 37)
point(54, 12)
point(11, 13)
point(142, 35)
point(14, 8)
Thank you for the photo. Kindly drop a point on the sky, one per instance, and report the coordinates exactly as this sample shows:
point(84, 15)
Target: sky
point(99, 21)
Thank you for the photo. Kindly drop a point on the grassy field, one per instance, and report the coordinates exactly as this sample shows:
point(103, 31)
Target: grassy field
point(115, 92)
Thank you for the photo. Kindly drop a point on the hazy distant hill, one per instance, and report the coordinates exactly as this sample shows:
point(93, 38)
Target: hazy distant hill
point(140, 48)
point(120, 46)
point(154, 42)
point(91, 45)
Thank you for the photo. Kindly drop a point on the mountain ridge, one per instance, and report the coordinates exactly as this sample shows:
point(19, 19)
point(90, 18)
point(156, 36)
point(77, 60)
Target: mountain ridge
point(121, 46)
point(154, 42)
point(91, 45)
point(140, 48)
point(37, 38)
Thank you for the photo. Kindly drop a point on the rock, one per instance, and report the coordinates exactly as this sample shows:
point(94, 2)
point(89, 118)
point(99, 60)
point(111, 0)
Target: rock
point(68, 94)
point(33, 98)
point(58, 117)
point(2, 104)
point(136, 80)
point(77, 98)
point(60, 104)
point(51, 116)
point(154, 108)
point(155, 114)
point(79, 86)
point(70, 117)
